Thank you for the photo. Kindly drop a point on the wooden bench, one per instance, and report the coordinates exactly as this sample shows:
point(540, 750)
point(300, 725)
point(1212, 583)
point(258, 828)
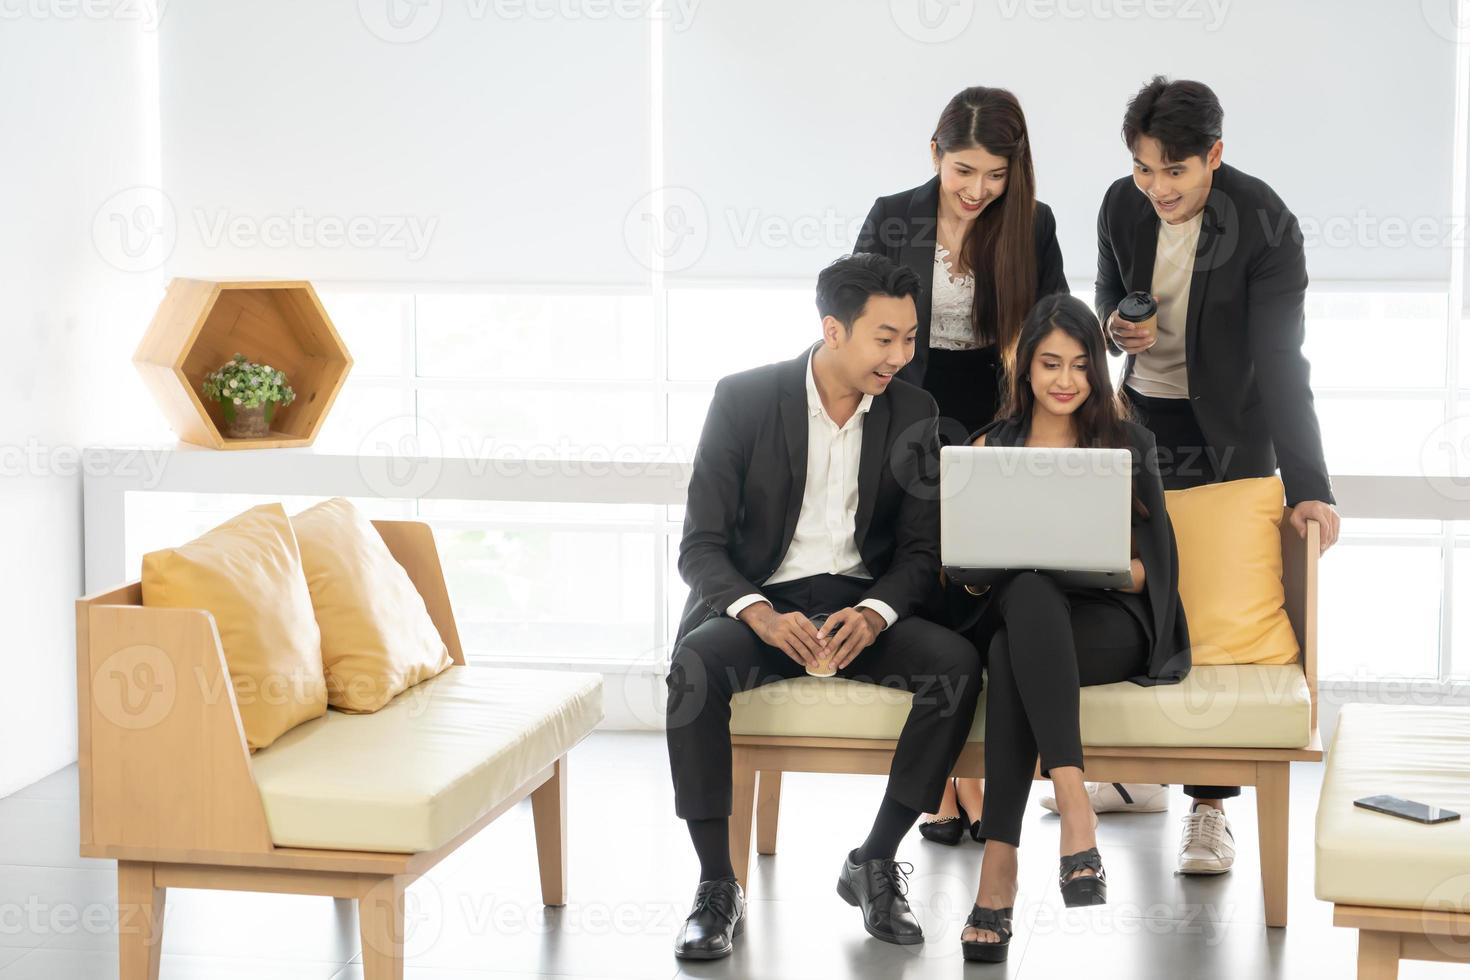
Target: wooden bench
point(1404, 886)
point(170, 790)
point(1255, 722)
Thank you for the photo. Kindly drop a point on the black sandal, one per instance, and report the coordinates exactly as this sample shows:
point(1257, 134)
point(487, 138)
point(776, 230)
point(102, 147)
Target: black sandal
point(1083, 889)
point(997, 921)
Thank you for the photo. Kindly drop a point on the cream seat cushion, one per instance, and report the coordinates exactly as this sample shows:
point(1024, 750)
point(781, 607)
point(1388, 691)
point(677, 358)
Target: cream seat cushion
point(413, 774)
point(1245, 706)
point(1418, 752)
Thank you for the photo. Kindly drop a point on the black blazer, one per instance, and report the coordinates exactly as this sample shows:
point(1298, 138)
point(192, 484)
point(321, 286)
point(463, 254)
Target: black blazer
point(1249, 384)
point(749, 476)
point(905, 228)
point(1158, 608)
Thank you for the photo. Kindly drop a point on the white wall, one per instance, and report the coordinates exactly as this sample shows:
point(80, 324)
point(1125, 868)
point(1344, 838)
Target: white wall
point(802, 114)
point(74, 118)
point(468, 141)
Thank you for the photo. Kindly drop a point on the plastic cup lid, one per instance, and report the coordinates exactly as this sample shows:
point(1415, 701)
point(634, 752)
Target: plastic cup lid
point(1137, 306)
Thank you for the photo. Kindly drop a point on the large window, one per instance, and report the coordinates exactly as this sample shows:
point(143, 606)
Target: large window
point(628, 375)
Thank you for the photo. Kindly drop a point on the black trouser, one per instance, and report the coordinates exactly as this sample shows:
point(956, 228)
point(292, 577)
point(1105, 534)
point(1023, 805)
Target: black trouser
point(1045, 645)
point(722, 656)
point(1185, 460)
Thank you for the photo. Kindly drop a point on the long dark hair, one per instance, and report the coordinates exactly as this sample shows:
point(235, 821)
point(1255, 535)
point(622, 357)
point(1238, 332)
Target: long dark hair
point(1099, 419)
point(1000, 248)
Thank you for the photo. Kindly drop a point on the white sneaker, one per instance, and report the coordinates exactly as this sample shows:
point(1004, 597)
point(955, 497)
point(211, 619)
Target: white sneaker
point(1207, 847)
point(1121, 798)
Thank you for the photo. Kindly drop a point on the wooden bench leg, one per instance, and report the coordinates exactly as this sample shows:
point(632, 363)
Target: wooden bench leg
point(767, 810)
point(549, 813)
point(742, 814)
point(139, 921)
point(1273, 801)
point(1378, 955)
point(380, 919)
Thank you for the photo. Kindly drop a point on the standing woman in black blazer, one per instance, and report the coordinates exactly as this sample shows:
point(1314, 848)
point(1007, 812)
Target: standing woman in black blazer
point(985, 251)
point(984, 248)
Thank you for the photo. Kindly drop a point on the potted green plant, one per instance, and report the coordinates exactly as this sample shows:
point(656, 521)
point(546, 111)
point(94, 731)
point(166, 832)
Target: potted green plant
point(248, 394)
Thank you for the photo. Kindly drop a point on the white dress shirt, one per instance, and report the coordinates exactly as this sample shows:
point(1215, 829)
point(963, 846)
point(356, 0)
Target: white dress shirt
point(825, 540)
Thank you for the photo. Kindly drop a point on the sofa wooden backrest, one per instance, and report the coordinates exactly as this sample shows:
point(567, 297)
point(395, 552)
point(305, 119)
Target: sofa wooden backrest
point(174, 773)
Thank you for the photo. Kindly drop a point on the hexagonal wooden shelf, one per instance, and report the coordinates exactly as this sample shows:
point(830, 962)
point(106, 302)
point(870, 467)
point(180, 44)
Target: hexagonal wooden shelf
point(201, 324)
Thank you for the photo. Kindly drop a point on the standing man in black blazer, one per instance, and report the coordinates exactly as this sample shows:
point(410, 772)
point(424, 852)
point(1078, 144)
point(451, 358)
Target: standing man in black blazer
point(1218, 373)
point(811, 495)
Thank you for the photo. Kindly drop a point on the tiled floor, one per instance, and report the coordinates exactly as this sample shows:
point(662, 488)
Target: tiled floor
point(633, 875)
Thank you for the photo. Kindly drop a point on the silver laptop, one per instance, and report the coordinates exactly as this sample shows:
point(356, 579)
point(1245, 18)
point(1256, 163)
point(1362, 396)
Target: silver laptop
point(1066, 512)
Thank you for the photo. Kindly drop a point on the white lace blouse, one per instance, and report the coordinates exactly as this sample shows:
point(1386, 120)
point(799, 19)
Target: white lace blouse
point(950, 326)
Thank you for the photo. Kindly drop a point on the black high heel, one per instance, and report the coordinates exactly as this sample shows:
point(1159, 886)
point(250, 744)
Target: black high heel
point(949, 830)
point(997, 921)
point(1083, 889)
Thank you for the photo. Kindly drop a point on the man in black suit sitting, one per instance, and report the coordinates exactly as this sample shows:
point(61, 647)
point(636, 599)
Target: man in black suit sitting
point(812, 494)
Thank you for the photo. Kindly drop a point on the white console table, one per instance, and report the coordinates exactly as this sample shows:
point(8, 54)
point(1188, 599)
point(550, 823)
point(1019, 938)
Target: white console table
point(110, 473)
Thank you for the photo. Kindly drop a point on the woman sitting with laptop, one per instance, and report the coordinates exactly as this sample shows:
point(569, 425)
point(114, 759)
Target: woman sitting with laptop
point(1045, 641)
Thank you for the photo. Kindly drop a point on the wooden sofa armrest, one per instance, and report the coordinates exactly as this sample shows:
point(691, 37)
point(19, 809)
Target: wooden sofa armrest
point(1299, 558)
point(163, 761)
point(412, 544)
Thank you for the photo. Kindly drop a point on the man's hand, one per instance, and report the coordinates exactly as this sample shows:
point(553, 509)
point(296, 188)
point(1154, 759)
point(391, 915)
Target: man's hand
point(1323, 513)
point(848, 632)
point(1133, 338)
point(792, 633)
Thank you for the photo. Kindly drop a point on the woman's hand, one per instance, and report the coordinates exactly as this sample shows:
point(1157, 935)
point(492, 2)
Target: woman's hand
point(1136, 586)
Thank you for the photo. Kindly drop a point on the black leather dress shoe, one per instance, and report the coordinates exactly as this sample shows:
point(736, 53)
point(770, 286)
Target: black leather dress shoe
point(879, 887)
point(717, 918)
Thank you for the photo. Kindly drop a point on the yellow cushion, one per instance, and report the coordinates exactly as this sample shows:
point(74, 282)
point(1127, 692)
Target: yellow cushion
point(1419, 752)
point(1246, 706)
point(377, 637)
point(412, 776)
point(1229, 537)
point(247, 573)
